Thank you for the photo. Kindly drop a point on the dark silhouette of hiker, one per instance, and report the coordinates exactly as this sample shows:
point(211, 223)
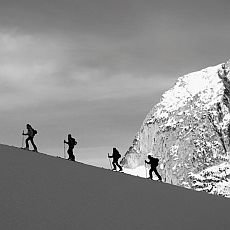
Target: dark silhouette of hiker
point(116, 155)
point(30, 133)
point(71, 143)
point(153, 163)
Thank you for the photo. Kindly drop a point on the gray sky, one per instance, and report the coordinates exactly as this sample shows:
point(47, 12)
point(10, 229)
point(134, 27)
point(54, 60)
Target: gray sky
point(94, 68)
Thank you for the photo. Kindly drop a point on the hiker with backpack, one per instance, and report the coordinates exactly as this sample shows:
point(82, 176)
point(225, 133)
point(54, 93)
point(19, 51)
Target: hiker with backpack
point(153, 167)
point(71, 143)
point(30, 133)
point(116, 155)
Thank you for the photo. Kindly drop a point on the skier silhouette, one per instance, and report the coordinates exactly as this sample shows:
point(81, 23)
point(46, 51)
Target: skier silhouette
point(30, 133)
point(153, 163)
point(116, 155)
point(71, 142)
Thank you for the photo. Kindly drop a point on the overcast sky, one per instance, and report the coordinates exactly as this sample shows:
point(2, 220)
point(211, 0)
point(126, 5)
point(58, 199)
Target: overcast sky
point(94, 68)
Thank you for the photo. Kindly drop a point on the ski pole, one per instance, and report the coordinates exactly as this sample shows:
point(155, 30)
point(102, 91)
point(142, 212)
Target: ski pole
point(64, 151)
point(110, 162)
point(22, 139)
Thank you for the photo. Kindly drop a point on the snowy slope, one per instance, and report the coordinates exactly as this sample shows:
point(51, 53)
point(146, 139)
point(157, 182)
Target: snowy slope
point(43, 192)
point(189, 131)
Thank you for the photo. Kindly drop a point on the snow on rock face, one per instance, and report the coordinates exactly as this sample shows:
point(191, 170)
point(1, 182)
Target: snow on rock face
point(189, 130)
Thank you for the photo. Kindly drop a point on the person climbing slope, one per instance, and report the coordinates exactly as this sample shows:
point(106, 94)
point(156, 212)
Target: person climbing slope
point(153, 167)
point(71, 143)
point(116, 155)
point(30, 133)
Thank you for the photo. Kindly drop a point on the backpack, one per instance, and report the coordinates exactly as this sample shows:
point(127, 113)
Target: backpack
point(73, 141)
point(154, 161)
point(34, 132)
point(116, 154)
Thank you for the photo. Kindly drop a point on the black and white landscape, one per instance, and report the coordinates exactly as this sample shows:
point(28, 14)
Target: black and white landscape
point(146, 77)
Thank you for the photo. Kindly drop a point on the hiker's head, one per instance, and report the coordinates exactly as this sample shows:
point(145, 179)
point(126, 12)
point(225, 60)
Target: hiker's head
point(69, 135)
point(28, 126)
point(149, 156)
point(115, 150)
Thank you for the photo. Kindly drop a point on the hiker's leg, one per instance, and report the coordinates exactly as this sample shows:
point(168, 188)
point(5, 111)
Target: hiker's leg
point(34, 146)
point(27, 142)
point(119, 166)
point(114, 165)
point(70, 153)
point(158, 175)
point(151, 173)
point(72, 157)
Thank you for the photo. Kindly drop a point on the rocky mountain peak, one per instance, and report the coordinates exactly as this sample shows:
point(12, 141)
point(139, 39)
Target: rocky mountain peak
point(189, 130)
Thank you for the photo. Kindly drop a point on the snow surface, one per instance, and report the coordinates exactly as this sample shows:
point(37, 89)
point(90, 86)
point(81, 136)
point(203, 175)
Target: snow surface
point(42, 192)
point(140, 171)
point(216, 179)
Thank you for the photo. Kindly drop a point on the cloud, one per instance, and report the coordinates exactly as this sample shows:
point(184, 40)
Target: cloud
point(25, 63)
point(34, 70)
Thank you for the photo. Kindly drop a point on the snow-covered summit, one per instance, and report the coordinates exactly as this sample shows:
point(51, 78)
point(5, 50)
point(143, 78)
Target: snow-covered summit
point(202, 82)
point(189, 130)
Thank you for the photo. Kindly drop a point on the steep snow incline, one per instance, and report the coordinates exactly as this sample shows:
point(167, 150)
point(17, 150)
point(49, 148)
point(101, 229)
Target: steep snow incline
point(43, 192)
point(189, 131)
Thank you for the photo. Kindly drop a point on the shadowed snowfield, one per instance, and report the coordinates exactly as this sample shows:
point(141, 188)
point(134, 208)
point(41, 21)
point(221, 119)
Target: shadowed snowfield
point(38, 191)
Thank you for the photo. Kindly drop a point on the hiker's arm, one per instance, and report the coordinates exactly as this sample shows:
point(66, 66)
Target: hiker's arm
point(147, 162)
